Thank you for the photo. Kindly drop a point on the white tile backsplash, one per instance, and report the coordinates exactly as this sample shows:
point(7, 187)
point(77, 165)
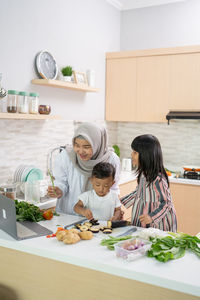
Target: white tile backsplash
point(29, 141)
point(180, 141)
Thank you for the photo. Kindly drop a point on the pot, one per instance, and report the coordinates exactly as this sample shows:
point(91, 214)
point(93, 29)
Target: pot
point(192, 169)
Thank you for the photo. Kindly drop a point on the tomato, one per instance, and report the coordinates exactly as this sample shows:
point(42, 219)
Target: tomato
point(47, 214)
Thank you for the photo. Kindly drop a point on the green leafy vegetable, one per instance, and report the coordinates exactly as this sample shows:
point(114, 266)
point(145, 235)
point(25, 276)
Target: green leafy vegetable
point(109, 243)
point(52, 181)
point(167, 248)
point(117, 150)
point(27, 212)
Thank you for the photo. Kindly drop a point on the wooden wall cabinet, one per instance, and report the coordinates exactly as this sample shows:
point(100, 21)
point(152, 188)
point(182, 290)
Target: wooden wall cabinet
point(143, 85)
point(126, 189)
point(121, 89)
point(184, 91)
point(152, 88)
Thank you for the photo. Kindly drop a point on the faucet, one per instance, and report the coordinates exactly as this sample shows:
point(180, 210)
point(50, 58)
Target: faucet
point(49, 159)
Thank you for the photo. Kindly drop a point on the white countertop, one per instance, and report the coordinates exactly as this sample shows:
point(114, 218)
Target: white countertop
point(184, 181)
point(180, 275)
point(129, 176)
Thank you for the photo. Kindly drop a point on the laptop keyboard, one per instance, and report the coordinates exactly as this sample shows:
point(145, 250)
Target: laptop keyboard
point(23, 231)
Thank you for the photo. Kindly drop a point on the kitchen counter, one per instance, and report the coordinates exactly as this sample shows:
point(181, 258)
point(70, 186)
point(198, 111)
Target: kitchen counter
point(178, 276)
point(131, 176)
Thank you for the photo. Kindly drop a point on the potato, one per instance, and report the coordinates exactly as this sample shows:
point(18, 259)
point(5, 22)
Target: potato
point(71, 238)
point(60, 234)
point(74, 230)
point(86, 235)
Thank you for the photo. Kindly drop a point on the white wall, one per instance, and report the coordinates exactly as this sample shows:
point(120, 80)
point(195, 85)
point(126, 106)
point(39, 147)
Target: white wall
point(75, 32)
point(169, 25)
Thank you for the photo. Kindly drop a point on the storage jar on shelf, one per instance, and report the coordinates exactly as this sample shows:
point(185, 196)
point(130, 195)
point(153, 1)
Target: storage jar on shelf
point(23, 106)
point(12, 101)
point(33, 103)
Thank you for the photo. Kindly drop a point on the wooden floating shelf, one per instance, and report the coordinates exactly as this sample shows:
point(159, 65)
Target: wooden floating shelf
point(64, 85)
point(28, 116)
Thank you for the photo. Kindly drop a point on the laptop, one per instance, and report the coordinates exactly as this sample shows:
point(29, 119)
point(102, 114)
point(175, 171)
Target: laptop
point(18, 230)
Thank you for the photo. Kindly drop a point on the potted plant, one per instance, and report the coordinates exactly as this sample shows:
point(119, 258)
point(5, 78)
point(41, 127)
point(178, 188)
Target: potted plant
point(67, 73)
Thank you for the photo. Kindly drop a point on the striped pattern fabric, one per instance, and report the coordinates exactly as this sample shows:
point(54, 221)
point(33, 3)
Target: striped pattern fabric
point(154, 200)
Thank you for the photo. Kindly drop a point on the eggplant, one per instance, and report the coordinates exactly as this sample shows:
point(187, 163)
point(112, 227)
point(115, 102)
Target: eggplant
point(120, 223)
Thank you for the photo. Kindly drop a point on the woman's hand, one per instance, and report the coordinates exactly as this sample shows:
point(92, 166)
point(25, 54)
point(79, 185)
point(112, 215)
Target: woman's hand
point(54, 192)
point(88, 214)
point(145, 219)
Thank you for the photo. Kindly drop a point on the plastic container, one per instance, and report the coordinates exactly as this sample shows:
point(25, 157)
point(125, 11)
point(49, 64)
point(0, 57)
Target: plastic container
point(9, 190)
point(12, 101)
point(132, 249)
point(33, 103)
point(23, 106)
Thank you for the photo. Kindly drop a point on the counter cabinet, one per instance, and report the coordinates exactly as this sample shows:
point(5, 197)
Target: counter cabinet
point(33, 277)
point(125, 189)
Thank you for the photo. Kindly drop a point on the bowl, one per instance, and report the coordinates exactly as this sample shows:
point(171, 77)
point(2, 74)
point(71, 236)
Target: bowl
point(44, 109)
point(132, 249)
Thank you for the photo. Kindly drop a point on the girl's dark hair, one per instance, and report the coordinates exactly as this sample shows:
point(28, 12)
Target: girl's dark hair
point(150, 157)
point(103, 170)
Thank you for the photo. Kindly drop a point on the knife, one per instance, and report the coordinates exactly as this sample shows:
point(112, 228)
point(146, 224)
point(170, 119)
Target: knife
point(73, 224)
point(133, 229)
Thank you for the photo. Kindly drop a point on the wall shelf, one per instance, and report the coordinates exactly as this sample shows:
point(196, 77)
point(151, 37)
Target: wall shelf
point(64, 85)
point(28, 116)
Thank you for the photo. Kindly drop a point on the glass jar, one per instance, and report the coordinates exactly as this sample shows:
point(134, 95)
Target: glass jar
point(23, 106)
point(33, 103)
point(9, 191)
point(12, 101)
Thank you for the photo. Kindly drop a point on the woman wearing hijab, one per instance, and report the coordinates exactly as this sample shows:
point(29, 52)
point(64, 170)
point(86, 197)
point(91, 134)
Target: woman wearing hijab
point(73, 167)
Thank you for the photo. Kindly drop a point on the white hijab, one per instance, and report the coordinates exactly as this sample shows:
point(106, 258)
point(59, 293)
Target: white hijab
point(97, 137)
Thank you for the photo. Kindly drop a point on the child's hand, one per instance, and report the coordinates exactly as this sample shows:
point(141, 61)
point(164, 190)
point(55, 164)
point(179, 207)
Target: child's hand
point(146, 219)
point(88, 214)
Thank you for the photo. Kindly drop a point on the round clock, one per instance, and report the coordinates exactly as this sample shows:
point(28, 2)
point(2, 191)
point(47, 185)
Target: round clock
point(46, 65)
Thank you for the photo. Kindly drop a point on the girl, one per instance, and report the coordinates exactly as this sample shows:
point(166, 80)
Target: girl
point(73, 166)
point(152, 202)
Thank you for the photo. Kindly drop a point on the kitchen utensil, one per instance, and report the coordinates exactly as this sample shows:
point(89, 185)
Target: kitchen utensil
point(34, 175)
point(73, 224)
point(3, 92)
point(46, 65)
point(127, 232)
point(192, 168)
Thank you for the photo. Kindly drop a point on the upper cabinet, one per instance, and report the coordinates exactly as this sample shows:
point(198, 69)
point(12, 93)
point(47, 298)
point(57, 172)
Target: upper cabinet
point(143, 85)
point(152, 88)
point(121, 89)
point(184, 92)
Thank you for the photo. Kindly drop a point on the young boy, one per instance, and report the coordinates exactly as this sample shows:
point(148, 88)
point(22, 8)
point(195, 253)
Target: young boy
point(101, 203)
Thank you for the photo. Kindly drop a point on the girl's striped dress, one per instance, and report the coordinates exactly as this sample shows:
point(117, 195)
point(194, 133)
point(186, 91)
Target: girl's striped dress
point(154, 200)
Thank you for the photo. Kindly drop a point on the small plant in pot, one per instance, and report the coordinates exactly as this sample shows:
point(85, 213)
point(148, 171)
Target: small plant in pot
point(67, 73)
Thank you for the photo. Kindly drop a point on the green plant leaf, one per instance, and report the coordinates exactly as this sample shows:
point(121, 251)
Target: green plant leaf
point(116, 149)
